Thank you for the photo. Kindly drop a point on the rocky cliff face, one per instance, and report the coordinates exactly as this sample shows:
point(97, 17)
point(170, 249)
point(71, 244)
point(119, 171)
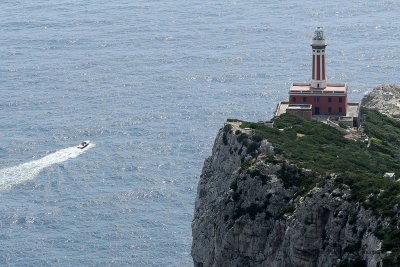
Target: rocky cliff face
point(247, 213)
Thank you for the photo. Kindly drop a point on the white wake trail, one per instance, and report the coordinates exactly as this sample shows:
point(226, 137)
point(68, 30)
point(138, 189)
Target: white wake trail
point(27, 171)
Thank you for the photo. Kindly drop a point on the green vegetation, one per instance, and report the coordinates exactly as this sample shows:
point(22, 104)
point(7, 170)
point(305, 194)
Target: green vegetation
point(384, 133)
point(252, 210)
point(392, 260)
point(243, 137)
point(225, 139)
point(353, 248)
point(252, 147)
point(234, 185)
point(343, 125)
point(256, 173)
point(291, 175)
point(288, 208)
point(390, 239)
point(324, 150)
point(227, 129)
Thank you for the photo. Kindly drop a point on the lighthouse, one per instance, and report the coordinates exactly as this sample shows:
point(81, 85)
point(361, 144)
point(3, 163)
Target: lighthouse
point(318, 45)
point(318, 97)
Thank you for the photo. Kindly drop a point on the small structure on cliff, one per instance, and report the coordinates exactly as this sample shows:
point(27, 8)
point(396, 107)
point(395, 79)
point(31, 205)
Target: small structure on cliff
point(319, 99)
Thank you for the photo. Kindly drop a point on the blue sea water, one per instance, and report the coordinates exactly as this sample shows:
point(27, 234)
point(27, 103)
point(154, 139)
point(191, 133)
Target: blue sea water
point(149, 83)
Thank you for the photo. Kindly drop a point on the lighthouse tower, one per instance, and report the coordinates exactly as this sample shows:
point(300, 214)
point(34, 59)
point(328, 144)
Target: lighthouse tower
point(318, 45)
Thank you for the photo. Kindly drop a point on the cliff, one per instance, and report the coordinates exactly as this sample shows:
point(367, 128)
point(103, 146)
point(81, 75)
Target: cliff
point(298, 194)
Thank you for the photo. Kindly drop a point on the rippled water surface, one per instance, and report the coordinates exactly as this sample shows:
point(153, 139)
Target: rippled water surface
point(149, 83)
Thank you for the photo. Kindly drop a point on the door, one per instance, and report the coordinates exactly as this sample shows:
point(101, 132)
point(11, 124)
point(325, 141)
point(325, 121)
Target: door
point(316, 110)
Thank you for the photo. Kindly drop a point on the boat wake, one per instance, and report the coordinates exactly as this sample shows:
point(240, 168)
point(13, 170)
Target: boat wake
point(12, 176)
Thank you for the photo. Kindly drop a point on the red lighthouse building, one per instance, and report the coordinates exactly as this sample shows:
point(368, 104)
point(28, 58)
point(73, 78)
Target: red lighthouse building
point(319, 99)
point(324, 98)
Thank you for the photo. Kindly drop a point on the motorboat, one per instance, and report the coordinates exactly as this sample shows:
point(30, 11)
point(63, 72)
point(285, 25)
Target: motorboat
point(83, 144)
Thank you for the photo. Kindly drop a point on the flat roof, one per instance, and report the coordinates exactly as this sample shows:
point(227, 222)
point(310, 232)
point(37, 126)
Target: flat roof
point(298, 106)
point(331, 88)
point(281, 108)
point(352, 109)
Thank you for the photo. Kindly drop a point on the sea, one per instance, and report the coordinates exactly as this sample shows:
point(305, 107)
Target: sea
point(149, 83)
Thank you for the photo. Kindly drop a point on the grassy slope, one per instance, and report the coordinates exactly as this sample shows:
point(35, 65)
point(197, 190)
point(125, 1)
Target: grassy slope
point(325, 151)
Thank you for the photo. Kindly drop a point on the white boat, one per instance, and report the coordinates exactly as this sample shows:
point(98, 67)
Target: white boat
point(84, 144)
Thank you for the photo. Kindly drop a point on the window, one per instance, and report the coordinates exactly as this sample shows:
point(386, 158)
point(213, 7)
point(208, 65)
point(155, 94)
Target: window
point(316, 99)
point(329, 99)
point(340, 99)
point(293, 99)
point(304, 99)
point(340, 109)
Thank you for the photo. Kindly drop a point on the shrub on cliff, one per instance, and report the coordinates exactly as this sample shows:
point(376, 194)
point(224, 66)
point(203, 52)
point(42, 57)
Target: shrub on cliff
point(323, 149)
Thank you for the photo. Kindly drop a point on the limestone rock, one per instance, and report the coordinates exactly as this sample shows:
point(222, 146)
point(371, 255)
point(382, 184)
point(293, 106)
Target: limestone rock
point(244, 215)
point(384, 98)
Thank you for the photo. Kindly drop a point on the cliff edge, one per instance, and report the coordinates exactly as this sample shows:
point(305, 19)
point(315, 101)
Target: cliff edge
point(298, 194)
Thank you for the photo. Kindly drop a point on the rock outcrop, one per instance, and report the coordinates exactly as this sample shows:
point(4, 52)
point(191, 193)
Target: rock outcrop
point(248, 214)
point(384, 98)
point(254, 207)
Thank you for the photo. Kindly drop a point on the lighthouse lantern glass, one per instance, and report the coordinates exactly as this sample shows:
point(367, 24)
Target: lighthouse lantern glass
point(319, 34)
